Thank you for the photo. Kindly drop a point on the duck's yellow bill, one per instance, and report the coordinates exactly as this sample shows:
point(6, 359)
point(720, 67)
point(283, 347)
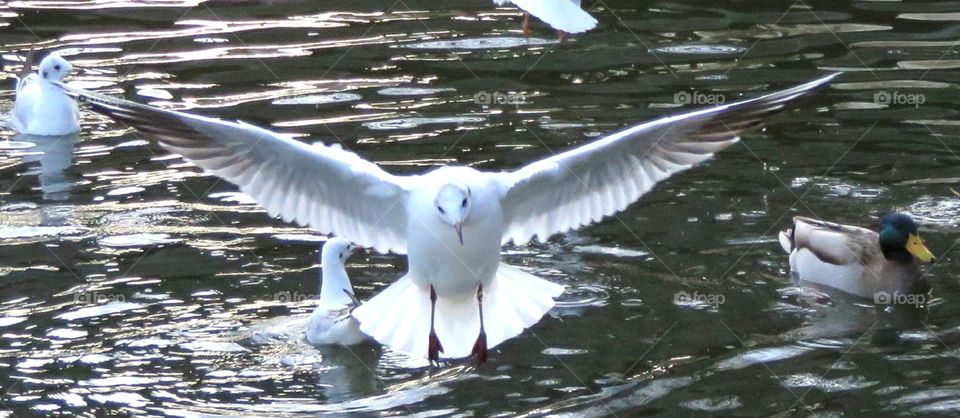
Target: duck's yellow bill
point(916, 247)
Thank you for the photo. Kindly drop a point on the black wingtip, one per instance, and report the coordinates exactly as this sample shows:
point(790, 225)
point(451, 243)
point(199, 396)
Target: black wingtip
point(27, 67)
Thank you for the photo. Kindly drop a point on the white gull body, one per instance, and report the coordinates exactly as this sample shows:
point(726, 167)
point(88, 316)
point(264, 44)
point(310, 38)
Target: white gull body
point(42, 108)
point(452, 221)
point(331, 322)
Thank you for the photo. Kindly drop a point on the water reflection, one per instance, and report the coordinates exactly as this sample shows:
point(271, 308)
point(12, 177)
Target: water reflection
point(55, 155)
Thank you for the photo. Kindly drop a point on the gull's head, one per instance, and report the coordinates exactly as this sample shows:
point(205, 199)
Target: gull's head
point(336, 252)
point(453, 204)
point(54, 67)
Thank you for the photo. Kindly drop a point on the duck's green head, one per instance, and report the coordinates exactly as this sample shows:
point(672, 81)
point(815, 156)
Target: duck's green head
point(900, 240)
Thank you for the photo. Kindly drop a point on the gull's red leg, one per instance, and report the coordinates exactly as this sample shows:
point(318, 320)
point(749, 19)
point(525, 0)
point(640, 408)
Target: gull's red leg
point(480, 347)
point(433, 347)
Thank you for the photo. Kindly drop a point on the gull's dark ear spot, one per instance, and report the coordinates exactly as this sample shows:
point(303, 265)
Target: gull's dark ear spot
point(44, 74)
point(441, 209)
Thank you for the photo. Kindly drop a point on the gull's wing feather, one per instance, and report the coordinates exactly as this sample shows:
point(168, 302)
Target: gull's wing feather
point(585, 184)
point(325, 187)
point(18, 117)
point(23, 76)
point(565, 15)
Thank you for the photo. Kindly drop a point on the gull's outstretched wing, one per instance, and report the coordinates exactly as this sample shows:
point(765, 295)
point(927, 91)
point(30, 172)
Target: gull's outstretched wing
point(565, 15)
point(324, 187)
point(585, 184)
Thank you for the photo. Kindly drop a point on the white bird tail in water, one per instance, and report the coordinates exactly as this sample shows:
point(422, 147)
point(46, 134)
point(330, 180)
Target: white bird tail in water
point(564, 15)
point(400, 315)
point(331, 322)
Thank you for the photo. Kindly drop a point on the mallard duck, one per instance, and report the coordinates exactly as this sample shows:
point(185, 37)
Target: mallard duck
point(565, 16)
point(857, 260)
point(332, 322)
point(41, 108)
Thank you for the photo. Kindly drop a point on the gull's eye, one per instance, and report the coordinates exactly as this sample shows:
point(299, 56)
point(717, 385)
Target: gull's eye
point(441, 210)
point(464, 203)
point(341, 254)
point(56, 67)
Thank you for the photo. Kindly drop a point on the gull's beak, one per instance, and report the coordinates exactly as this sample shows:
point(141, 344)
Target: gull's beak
point(359, 249)
point(459, 228)
point(916, 247)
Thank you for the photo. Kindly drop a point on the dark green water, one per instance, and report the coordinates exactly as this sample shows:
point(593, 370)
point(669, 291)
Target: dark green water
point(133, 284)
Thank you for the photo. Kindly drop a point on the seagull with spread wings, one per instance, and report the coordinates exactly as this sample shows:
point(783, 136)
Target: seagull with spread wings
point(457, 299)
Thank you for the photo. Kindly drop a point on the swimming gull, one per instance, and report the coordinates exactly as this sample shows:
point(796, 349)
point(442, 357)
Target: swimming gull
point(41, 108)
point(331, 322)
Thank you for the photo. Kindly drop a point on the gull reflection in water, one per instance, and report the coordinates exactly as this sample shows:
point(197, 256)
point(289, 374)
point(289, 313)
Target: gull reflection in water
point(55, 154)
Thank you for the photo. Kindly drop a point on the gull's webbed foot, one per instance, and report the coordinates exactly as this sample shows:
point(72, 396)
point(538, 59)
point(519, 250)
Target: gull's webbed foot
point(434, 348)
point(480, 348)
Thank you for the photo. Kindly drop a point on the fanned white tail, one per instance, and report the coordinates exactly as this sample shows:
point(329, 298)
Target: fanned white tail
point(565, 15)
point(786, 242)
point(400, 315)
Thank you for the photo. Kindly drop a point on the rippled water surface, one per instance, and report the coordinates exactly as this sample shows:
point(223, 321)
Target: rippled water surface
point(133, 284)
